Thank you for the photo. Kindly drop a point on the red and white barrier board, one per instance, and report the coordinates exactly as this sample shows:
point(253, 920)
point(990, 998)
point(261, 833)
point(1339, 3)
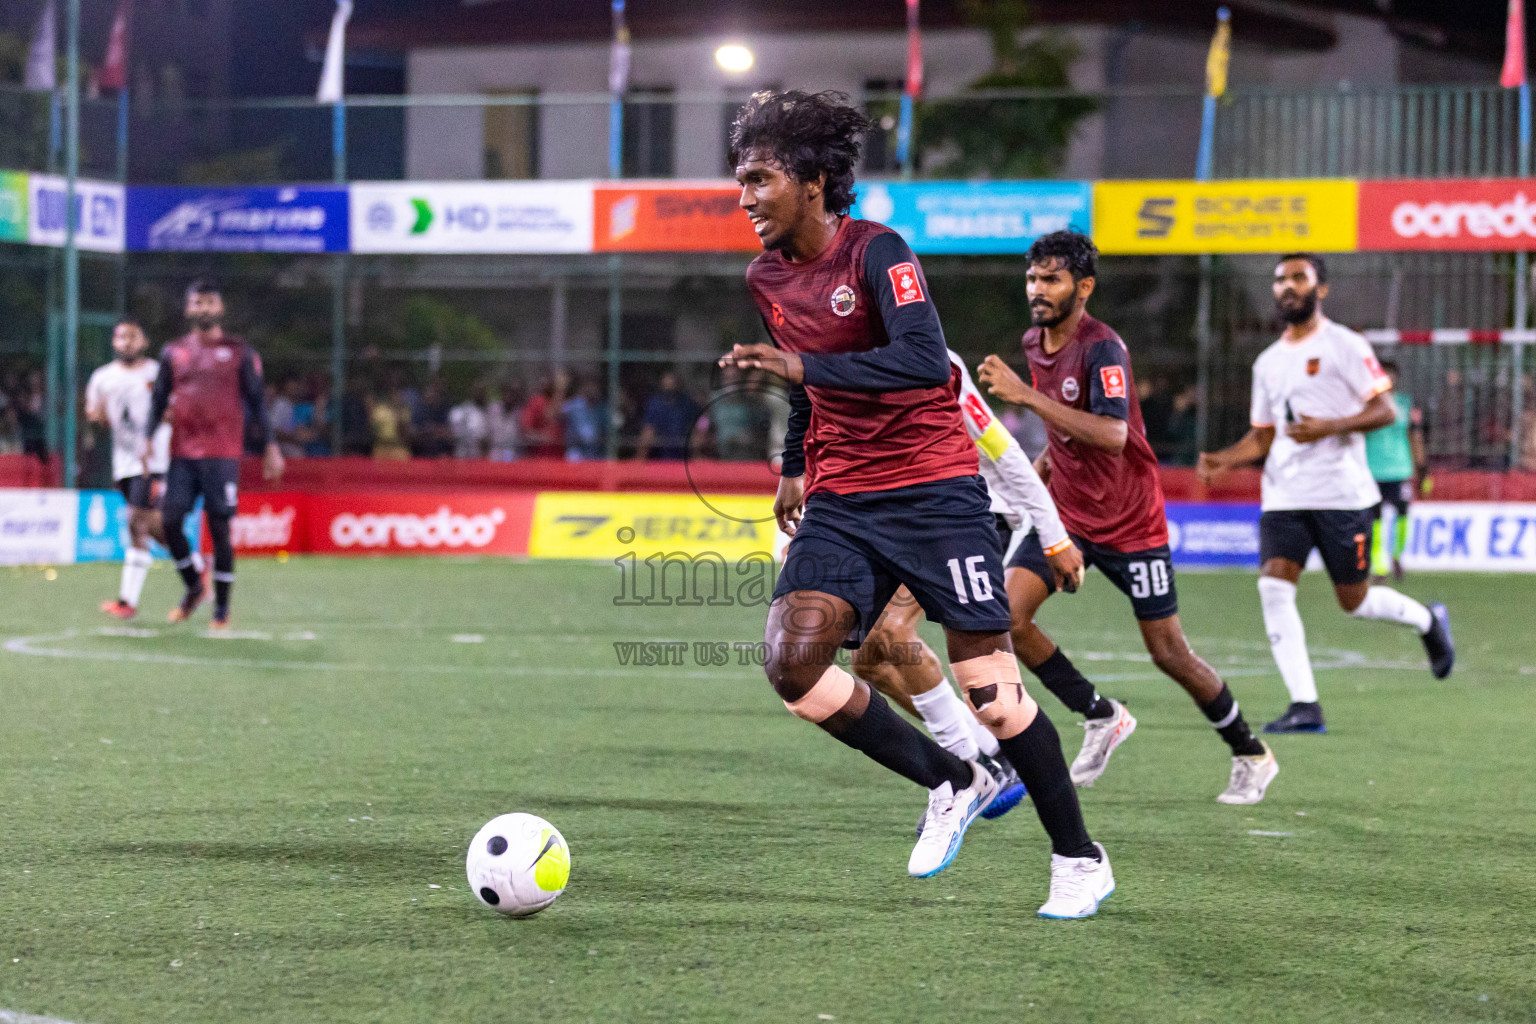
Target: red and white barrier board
point(370, 523)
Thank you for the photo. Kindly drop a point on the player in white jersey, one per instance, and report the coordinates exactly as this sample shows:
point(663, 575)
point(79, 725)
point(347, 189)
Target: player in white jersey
point(118, 396)
point(1322, 381)
point(896, 661)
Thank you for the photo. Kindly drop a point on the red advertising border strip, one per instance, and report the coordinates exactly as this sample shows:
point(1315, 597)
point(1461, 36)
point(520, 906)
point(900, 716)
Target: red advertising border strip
point(382, 523)
point(1481, 215)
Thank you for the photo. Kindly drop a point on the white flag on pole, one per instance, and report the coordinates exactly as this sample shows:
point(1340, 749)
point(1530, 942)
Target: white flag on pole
point(41, 58)
point(330, 90)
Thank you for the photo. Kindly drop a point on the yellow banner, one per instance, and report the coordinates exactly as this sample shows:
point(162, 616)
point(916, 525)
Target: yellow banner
point(586, 524)
point(1152, 217)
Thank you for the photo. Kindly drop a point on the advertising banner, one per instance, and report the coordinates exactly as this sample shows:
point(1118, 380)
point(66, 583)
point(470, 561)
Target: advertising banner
point(472, 217)
point(237, 220)
point(1489, 536)
point(986, 217)
point(662, 218)
point(1482, 215)
point(1152, 217)
point(577, 524)
point(437, 523)
point(100, 208)
point(37, 526)
point(1210, 535)
point(13, 206)
point(267, 524)
point(101, 532)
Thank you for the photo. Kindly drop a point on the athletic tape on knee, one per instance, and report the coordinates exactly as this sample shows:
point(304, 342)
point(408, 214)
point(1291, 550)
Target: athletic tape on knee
point(826, 698)
point(995, 688)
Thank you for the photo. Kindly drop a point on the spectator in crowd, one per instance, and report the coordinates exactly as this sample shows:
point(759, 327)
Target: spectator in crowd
point(390, 420)
point(501, 421)
point(668, 421)
point(1156, 410)
point(10, 429)
point(291, 417)
point(470, 425)
point(431, 437)
point(585, 418)
point(30, 402)
point(356, 419)
point(543, 434)
point(738, 415)
point(1179, 447)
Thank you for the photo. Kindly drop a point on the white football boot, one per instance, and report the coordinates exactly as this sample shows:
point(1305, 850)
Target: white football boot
point(1251, 776)
point(1078, 885)
point(1100, 738)
point(949, 815)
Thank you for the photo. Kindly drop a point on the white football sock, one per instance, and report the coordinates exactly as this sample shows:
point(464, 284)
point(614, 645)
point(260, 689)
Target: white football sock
point(136, 565)
point(1386, 603)
point(197, 561)
point(1287, 638)
point(982, 735)
point(948, 720)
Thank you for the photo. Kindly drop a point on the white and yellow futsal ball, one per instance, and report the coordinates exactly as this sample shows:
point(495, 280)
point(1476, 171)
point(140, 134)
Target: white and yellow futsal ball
point(517, 864)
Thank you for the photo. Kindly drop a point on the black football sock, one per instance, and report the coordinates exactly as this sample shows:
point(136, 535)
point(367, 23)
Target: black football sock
point(1063, 679)
point(189, 574)
point(1225, 715)
point(223, 564)
point(890, 740)
point(1036, 755)
point(221, 589)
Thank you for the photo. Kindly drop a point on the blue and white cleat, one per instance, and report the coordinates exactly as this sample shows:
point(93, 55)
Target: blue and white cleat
point(949, 815)
point(1010, 788)
point(1078, 886)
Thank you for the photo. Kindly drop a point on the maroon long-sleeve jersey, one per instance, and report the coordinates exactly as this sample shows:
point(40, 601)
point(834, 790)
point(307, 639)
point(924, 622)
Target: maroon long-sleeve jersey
point(879, 408)
point(216, 389)
point(1114, 500)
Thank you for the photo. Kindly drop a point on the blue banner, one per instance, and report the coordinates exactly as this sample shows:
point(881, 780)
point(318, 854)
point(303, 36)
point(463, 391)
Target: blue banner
point(102, 533)
point(283, 219)
point(1213, 535)
point(982, 218)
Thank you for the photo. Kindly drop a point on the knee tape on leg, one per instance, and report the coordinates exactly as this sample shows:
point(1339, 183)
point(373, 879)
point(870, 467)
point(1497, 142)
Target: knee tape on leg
point(826, 698)
point(996, 691)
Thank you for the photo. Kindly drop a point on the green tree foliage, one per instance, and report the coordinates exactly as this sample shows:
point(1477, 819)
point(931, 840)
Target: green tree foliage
point(1005, 138)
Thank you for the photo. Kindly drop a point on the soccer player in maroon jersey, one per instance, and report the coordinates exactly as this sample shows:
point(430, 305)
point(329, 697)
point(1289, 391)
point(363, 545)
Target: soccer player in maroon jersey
point(212, 381)
point(880, 488)
point(1103, 475)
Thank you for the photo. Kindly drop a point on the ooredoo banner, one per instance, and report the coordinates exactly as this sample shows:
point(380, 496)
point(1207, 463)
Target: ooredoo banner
point(1481, 215)
point(670, 218)
point(437, 523)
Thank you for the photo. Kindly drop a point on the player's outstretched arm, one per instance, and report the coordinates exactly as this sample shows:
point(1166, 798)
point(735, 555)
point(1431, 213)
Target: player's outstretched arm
point(1107, 433)
point(1253, 446)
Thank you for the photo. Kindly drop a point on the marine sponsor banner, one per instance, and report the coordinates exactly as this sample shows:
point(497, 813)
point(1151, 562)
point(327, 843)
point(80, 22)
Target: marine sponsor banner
point(37, 526)
point(577, 524)
point(1211, 535)
point(1482, 215)
point(1150, 217)
point(472, 217)
point(988, 217)
point(1479, 535)
point(100, 208)
point(437, 523)
point(663, 218)
point(237, 220)
point(13, 206)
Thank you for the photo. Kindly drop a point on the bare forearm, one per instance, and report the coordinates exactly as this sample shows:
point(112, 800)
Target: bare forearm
point(1103, 432)
point(1251, 447)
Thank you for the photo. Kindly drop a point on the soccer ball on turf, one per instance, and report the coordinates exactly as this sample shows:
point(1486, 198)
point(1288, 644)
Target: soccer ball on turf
point(518, 864)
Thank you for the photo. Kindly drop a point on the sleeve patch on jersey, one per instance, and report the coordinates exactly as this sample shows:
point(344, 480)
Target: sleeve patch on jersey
point(1374, 365)
point(1114, 381)
point(905, 284)
point(978, 413)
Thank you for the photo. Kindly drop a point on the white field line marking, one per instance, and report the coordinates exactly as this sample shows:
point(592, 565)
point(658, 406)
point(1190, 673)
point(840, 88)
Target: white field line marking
point(37, 647)
point(1264, 832)
point(467, 638)
point(16, 1017)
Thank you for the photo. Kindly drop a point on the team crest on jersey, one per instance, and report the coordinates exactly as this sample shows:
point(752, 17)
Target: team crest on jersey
point(904, 282)
point(1313, 365)
point(1069, 389)
point(843, 300)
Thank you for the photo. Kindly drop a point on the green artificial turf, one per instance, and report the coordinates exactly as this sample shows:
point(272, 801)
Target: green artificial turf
point(271, 827)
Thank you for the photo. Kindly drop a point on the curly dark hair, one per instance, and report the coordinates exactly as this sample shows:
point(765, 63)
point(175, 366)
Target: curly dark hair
point(807, 134)
point(1318, 264)
point(1074, 249)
